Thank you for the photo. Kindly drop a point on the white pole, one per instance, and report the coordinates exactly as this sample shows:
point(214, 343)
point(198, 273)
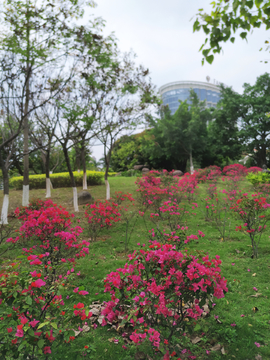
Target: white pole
point(107, 190)
point(48, 187)
point(84, 181)
point(4, 214)
point(25, 196)
point(75, 199)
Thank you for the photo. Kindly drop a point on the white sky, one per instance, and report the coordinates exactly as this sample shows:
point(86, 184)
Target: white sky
point(160, 33)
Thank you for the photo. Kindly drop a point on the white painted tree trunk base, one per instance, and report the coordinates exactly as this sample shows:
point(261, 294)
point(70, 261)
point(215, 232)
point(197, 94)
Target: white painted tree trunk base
point(4, 214)
point(48, 187)
point(108, 194)
point(191, 164)
point(25, 196)
point(75, 199)
point(84, 181)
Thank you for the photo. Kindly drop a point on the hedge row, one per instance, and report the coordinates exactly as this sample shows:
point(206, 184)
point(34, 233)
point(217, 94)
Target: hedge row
point(259, 178)
point(58, 180)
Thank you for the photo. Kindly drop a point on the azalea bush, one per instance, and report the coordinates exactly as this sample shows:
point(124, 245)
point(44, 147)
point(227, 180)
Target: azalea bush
point(128, 214)
point(161, 291)
point(188, 185)
point(179, 238)
point(254, 214)
point(35, 317)
point(101, 214)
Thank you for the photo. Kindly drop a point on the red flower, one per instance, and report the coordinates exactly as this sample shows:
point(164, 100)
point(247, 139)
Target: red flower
point(47, 350)
point(10, 330)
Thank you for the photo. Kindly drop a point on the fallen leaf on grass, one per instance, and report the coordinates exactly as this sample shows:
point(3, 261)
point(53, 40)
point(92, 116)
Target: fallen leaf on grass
point(258, 357)
point(196, 340)
point(254, 274)
point(256, 295)
point(218, 321)
point(223, 351)
point(111, 339)
point(216, 347)
point(140, 355)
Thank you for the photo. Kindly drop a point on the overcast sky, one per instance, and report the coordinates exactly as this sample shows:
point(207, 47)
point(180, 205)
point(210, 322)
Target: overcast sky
point(160, 33)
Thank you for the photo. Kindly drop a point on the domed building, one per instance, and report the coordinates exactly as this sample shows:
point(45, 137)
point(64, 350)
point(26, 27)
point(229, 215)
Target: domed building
point(172, 92)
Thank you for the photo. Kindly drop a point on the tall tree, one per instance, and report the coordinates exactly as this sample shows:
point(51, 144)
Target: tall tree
point(228, 16)
point(223, 132)
point(125, 101)
point(255, 124)
point(177, 138)
point(38, 33)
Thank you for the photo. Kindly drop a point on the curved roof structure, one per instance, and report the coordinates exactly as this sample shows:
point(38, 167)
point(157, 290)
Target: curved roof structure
point(172, 92)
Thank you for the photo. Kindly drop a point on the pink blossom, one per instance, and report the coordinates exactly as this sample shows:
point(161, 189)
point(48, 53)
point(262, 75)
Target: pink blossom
point(83, 292)
point(34, 322)
point(255, 289)
point(257, 344)
point(38, 283)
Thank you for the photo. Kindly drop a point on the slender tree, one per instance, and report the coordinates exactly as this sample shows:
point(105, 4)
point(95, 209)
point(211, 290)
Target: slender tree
point(124, 100)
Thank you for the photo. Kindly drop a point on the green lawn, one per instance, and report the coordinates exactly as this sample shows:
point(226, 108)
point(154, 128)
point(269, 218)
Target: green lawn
point(242, 272)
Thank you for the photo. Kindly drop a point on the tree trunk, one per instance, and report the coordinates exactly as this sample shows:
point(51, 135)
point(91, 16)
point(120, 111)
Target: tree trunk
point(25, 197)
point(84, 169)
point(107, 162)
point(72, 179)
point(191, 162)
point(4, 213)
point(47, 172)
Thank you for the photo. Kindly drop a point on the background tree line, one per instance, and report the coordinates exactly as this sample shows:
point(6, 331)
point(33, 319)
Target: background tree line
point(237, 129)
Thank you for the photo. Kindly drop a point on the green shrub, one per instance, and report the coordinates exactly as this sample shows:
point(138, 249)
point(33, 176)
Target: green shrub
point(59, 180)
point(258, 178)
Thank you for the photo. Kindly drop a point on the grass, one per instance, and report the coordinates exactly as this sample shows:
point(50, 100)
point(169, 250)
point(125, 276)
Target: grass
point(242, 273)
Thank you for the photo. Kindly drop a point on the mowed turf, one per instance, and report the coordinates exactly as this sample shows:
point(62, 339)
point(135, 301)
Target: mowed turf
point(237, 321)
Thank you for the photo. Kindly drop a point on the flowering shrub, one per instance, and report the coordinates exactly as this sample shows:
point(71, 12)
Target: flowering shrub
point(178, 238)
point(254, 170)
point(159, 289)
point(209, 173)
point(36, 204)
point(253, 213)
point(127, 212)
point(35, 319)
point(188, 184)
point(235, 169)
point(101, 214)
point(154, 190)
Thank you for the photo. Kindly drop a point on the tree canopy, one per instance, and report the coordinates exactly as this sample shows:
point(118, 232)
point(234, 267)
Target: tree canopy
point(226, 18)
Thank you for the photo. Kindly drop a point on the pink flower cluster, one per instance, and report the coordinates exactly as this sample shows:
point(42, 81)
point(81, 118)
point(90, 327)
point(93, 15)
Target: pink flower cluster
point(162, 287)
point(101, 214)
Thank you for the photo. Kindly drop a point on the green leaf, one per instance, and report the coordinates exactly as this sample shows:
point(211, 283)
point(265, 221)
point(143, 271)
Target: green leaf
point(197, 327)
point(28, 300)
point(40, 344)
point(31, 332)
point(210, 59)
point(21, 346)
point(54, 325)
point(43, 324)
point(232, 39)
point(243, 34)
